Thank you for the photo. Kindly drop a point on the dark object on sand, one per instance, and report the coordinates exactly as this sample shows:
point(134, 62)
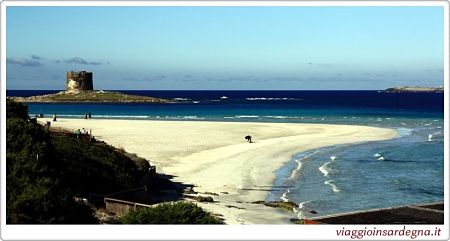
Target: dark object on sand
point(248, 138)
point(89, 115)
point(54, 117)
point(201, 199)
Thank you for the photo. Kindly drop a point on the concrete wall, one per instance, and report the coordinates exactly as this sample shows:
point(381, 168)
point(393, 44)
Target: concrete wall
point(121, 207)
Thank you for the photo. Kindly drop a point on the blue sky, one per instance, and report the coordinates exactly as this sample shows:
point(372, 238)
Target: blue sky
point(164, 48)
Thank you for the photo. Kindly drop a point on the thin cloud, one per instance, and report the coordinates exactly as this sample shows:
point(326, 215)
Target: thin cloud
point(146, 79)
point(259, 80)
point(155, 78)
point(36, 57)
point(79, 60)
point(284, 79)
point(374, 74)
point(23, 62)
point(322, 65)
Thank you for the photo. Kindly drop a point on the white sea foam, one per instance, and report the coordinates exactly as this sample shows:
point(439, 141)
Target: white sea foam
point(193, 117)
point(284, 197)
point(333, 158)
point(183, 99)
point(404, 131)
point(299, 162)
point(325, 170)
point(137, 117)
point(183, 118)
point(195, 102)
point(430, 137)
point(299, 211)
point(277, 116)
point(333, 187)
point(377, 155)
point(109, 116)
point(269, 98)
point(428, 124)
point(296, 170)
point(381, 158)
point(70, 116)
point(247, 116)
point(438, 133)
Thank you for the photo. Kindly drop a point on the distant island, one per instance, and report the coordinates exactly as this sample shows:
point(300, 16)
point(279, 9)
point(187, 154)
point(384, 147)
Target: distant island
point(90, 96)
point(415, 89)
point(80, 89)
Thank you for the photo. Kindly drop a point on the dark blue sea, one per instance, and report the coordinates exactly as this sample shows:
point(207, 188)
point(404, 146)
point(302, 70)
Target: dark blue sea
point(401, 171)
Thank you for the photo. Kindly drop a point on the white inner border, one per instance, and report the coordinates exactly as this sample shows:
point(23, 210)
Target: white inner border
point(200, 232)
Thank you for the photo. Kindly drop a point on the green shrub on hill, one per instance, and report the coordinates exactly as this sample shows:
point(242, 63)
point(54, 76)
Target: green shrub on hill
point(17, 110)
point(171, 213)
point(91, 168)
point(34, 193)
point(45, 173)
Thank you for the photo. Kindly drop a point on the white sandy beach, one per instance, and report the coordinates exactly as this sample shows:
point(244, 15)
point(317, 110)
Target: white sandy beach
point(215, 157)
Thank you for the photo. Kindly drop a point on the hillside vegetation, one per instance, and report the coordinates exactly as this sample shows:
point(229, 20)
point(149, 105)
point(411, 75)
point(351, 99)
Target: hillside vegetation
point(45, 173)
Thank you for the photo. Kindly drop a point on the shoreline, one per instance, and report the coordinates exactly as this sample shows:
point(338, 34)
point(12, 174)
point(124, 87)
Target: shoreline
point(215, 158)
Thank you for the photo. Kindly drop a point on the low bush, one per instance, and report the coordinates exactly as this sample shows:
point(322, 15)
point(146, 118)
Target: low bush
point(171, 213)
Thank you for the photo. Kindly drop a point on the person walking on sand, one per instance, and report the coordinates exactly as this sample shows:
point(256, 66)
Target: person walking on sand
point(248, 138)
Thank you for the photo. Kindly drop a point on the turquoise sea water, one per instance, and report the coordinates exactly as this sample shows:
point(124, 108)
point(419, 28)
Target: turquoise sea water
point(405, 170)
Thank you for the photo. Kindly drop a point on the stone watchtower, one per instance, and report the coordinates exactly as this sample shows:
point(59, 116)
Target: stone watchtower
point(79, 81)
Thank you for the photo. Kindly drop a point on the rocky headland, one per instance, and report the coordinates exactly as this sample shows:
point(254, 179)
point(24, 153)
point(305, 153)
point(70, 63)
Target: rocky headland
point(415, 89)
point(90, 97)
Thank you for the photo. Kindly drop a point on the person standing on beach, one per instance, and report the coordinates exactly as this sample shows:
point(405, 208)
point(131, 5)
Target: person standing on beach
point(78, 132)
